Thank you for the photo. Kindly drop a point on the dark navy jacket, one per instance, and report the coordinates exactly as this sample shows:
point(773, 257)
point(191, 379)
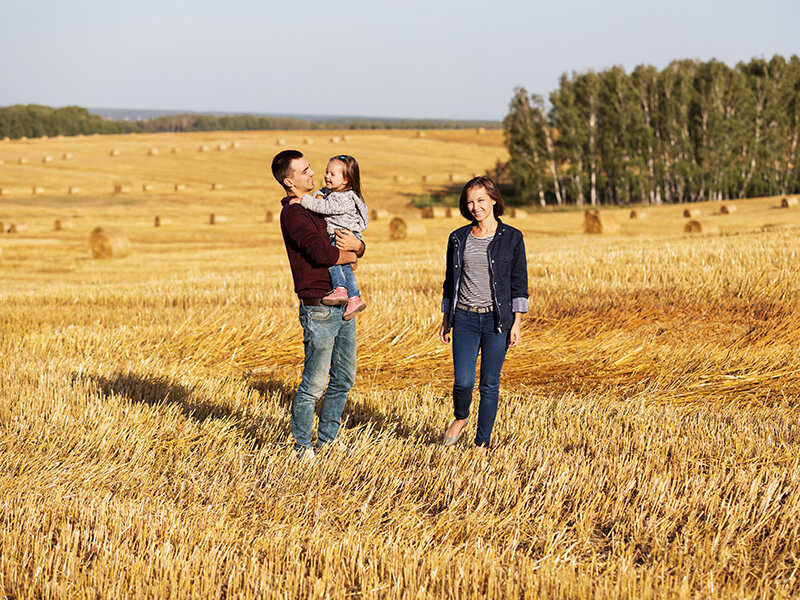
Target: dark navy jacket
point(508, 274)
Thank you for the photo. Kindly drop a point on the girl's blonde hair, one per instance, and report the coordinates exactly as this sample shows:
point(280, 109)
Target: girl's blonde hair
point(351, 172)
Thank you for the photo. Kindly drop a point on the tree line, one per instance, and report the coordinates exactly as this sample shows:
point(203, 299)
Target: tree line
point(690, 132)
point(34, 120)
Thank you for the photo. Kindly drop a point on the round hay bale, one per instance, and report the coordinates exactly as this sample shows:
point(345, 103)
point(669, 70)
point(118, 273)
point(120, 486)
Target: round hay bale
point(62, 224)
point(5, 192)
point(280, 142)
point(454, 177)
point(67, 156)
point(216, 186)
point(215, 219)
point(202, 148)
point(37, 189)
point(434, 212)
point(308, 141)
point(47, 159)
point(691, 213)
point(175, 150)
point(179, 187)
point(147, 187)
point(74, 189)
point(222, 147)
point(516, 213)
point(427, 178)
point(398, 178)
point(2, 162)
point(236, 145)
point(480, 130)
point(114, 152)
point(401, 229)
point(23, 138)
point(270, 217)
point(152, 152)
point(789, 201)
point(335, 139)
point(121, 188)
point(2, 227)
point(22, 160)
point(346, 138)
point(638, 214)
point(595, 223)
point(378, 214)
point(107, 242)
point(421, 134)
point(727, 209)
point(160, 221)
point(6, 139)
point(17, 227)
point(695, 226)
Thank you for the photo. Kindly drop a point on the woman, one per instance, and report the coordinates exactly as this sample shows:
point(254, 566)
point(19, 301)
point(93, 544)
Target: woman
point(485, 294)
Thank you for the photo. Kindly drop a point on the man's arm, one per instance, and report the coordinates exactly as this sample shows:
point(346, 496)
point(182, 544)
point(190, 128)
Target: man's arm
point(297, 226)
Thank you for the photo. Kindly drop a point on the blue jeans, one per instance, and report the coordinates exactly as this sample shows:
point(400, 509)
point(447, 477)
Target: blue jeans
point(343, 276)
point(329, 343)
point(473, 333)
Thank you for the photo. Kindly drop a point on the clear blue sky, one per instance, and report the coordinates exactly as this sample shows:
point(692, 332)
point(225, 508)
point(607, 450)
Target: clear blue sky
point(412, 58)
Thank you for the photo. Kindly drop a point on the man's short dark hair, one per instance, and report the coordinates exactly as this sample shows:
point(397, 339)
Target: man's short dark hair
point(491, 191)
point(282, 164)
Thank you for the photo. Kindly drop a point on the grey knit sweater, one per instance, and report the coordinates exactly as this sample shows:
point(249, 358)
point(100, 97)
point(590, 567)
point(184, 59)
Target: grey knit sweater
point(340, 209)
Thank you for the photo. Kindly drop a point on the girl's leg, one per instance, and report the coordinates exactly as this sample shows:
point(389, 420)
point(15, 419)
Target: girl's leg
point(466, 343)
point(493, 353)
point(350, 281)
point(338, 278)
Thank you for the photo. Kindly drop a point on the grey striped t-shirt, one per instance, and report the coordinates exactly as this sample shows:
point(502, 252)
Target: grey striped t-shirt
point(475, 288)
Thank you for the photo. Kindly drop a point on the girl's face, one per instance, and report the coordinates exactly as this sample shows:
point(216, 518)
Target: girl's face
point(334, 176)
point(480, 204)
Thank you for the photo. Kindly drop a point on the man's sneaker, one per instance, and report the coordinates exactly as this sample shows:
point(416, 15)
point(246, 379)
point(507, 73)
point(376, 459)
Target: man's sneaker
point(354, 305)
point(338, 297)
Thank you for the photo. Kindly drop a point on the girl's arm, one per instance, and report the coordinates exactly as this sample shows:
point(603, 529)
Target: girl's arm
point(335, 203)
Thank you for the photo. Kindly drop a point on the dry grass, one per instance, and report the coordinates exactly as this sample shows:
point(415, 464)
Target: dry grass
point(647, 445)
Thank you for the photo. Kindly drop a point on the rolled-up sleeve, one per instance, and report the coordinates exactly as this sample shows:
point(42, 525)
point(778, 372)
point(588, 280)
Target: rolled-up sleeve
point(519, 279)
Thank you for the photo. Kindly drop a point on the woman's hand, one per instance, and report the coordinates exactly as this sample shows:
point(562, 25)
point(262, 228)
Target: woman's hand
point(444, 333)
point(516, 331)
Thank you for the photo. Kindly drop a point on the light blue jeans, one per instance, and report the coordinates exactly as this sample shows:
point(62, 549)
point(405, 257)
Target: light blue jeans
point(330, 348)
point(343, 276)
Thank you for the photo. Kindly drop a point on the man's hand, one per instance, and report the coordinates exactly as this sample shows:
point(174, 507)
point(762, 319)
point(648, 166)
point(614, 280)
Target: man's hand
point(346, 240)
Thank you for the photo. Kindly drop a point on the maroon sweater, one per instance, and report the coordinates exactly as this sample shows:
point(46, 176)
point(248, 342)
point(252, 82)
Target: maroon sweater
point(309, 249)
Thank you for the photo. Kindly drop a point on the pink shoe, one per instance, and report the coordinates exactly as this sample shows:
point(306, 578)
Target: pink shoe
point(354, 305)
point(338, 297)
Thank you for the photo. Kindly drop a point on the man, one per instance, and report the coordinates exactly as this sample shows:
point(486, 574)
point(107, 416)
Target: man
point(328, 340)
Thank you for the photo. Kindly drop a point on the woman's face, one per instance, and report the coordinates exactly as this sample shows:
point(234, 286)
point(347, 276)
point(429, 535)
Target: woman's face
point(479, 204)
point(334, 176)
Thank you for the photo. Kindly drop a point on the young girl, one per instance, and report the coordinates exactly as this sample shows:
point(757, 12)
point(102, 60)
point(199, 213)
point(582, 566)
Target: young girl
point(341, 204)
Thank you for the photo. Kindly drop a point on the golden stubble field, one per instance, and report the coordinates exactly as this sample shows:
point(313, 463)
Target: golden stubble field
point(646, 446)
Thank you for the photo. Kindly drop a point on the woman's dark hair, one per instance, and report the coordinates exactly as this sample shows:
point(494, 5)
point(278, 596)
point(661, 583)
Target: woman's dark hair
point(491, 190)
point(351, 172)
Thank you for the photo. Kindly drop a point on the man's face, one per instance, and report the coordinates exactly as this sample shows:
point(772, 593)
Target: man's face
point(302, 179)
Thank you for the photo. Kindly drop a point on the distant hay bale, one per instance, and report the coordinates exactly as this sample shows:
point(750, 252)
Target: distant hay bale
point(6, 139)
point(216, 186)
point(2, 227)
point(17, 227)
point(160, 221)
point(434, 212)
point(727, 209)
point(516, 213)
point(109, 243)
point(638, 214)
point(480, 130)
point(400, 229)
point(595, 223)
point(114, 152)
point(280, 142)
point(308, 141)
point(454, 177)
point(67, 156)
point(421, 134)
point(695, 226)
point(47, 159)
point(37, 189)
point(147, 187)
point(175, 150)
point(691, 213)
point(202, 148)
point(378, 214)
point(222, 147)
point(22, 160)
point(236, 145)
point(62, 224)
point(789, 201)
point(152, 152)
point(74, 189)
point(121, 188)
point(346, 138)
point(215, 219)
point(398, 178)
point(5, 192)
point(270, 217)
point(179, 187)
point(426, 178)
point(335, 139)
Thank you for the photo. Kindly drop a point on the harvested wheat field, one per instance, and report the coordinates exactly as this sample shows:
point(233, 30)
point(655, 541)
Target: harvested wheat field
point(647, 443)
